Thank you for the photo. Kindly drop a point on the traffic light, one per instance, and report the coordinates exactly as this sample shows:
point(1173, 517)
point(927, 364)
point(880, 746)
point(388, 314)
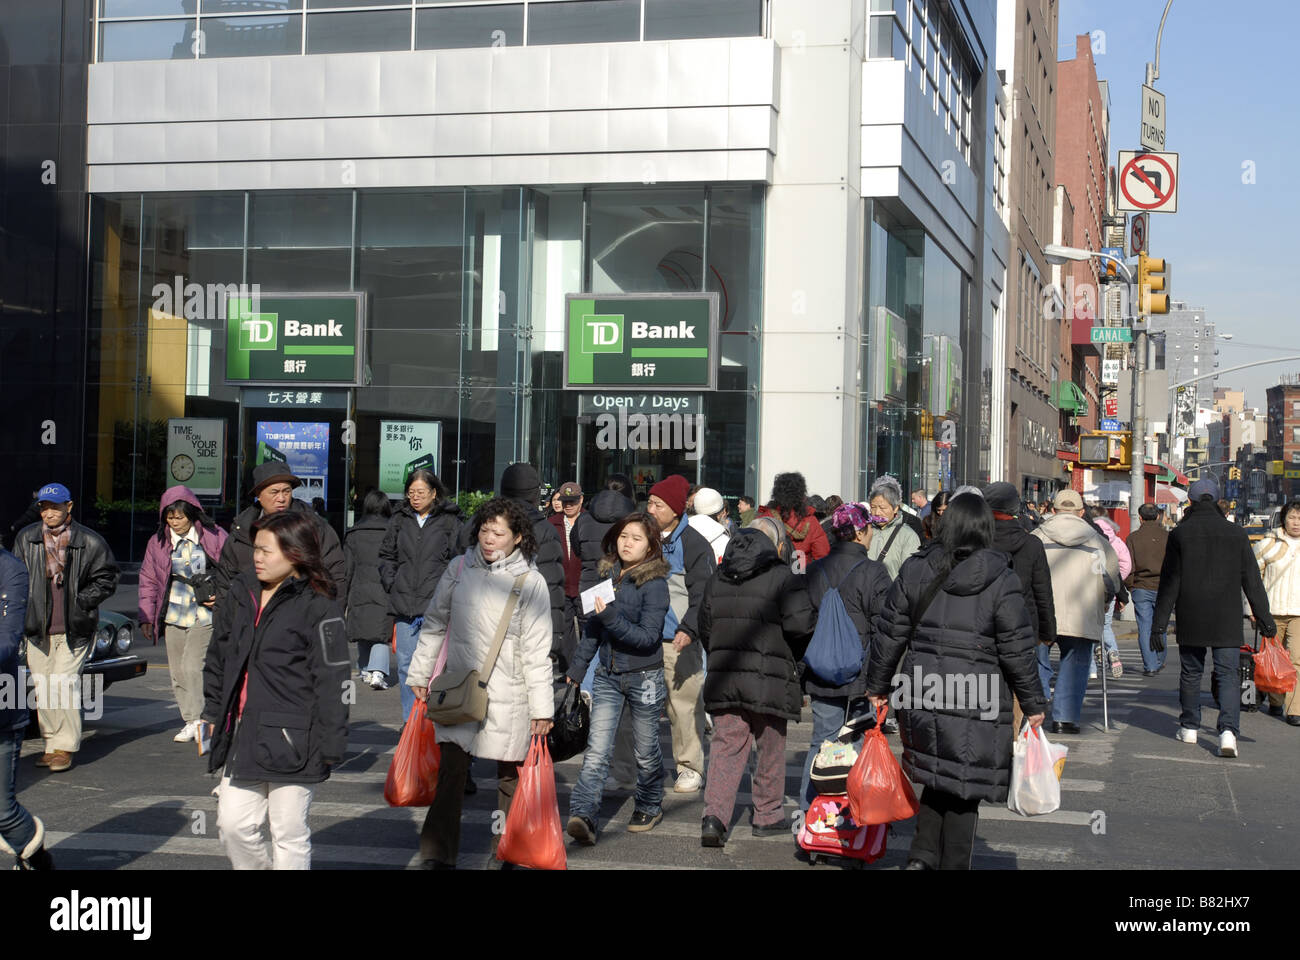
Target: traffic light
point(1234, 473)
point(1150, 283)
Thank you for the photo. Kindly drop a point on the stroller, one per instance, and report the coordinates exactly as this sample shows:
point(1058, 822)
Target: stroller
point(829, 832)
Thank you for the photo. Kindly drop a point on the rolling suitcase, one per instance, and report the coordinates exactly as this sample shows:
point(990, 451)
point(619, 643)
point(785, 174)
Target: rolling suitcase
point(829, 831)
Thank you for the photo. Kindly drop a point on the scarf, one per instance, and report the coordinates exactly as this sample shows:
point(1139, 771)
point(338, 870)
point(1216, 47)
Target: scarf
point(56, 550)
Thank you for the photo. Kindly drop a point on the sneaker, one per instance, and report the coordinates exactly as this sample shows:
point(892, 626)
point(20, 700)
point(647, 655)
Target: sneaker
point(187, 733)
point(688, 781)
point(1186, 735)
point(62, 760)
point(583, 830)
point(890, 726)
point(34, 856)
point(378, 681)
point(1227, 744)
point(643, 822)
point(1116, 666)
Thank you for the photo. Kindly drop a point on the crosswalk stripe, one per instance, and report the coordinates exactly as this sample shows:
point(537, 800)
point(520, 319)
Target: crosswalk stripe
point(211, 847)
point(1074, 818)
point(1222, 762)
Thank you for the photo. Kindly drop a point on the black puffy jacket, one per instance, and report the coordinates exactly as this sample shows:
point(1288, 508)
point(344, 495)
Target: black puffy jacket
point(412, 558)
point(863, 592)
point(1029, 560)
point(628, 633)
point(365, 599)
point(604, 510)
point(754, 622)
point(294, 724)
point(90, 576)
point(973, 646)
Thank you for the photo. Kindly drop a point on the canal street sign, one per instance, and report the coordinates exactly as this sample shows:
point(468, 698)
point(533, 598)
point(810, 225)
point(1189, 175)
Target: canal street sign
point(1112, 335)
point(646, 341)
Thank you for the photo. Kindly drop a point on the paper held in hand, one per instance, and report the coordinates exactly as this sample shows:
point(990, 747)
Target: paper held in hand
point(604, 590)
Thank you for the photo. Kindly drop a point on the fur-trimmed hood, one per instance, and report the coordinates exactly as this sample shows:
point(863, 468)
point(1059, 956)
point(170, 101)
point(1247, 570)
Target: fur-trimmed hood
point(640, 574)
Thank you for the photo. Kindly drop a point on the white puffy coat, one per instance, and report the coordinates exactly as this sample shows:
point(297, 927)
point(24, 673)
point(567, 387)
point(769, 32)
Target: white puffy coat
point(1277, 555)
point(471, 598)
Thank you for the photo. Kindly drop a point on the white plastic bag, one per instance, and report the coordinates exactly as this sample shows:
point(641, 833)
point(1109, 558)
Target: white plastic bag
point(1036, 767)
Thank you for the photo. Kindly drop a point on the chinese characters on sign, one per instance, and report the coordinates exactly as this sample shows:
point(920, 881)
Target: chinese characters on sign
point(404, 447)
point(304, 447)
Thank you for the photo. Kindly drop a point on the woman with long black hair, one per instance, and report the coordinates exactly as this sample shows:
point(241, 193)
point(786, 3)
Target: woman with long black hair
point(956, 610)
point(179, 557)
point(275, 705)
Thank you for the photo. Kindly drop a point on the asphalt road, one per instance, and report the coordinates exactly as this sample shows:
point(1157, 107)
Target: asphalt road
point(1133, 797)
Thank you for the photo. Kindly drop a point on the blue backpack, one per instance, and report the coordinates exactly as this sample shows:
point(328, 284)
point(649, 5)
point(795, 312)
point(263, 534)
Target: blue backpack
point(834, 654)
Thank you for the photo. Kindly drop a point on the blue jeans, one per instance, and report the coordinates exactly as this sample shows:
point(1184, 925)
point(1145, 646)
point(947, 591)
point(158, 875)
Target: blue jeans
point(374, 658)
point(644, 693)
point(1072, 680)
point(1144, 605)
point(1226, 680)
point(408, 638)
point(1045, 668)
point(828, 717)
point(16, 824)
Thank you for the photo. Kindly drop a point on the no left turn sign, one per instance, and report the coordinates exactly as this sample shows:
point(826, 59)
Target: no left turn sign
point(1138, 235)
point(1148, 182)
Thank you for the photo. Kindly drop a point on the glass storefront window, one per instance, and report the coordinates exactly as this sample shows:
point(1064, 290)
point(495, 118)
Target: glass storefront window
point(242, 6)
point(147, 40)
point(455, 27)
point(251, 36)
point(584, 21)
point(464, 297)
point(685, 19)
point(146, 8)
point(359, 31)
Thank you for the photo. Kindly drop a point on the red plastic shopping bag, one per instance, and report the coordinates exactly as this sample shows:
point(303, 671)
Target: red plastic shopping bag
point(413, 774)
point(533, 837)
point(1274, 672)
point(878, 791)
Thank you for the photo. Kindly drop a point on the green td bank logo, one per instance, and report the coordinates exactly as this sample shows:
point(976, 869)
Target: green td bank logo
point(257, 331)
point(602, 333)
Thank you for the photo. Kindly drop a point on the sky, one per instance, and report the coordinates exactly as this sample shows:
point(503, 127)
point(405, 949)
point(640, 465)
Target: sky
point(1231, 118)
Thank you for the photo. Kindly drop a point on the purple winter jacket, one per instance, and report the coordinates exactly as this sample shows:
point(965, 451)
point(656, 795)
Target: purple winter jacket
point(156, 568)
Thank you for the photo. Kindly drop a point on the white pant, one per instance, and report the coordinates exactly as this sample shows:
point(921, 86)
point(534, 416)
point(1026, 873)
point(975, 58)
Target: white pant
point(245, 806)
point(59, 669)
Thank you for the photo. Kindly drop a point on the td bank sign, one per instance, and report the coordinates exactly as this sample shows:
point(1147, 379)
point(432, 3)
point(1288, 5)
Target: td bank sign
point(651, 341)
point(294, 338)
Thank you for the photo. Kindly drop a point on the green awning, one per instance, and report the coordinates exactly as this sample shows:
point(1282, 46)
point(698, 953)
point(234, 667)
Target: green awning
point(1072, 400)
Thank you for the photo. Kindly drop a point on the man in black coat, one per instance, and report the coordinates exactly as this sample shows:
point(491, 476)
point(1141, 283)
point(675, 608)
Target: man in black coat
point(1029, 560)
point(70, 571)
point(273, 484)
point(1208, 563)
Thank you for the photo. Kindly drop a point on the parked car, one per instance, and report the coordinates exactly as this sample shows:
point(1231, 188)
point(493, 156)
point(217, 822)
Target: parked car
point(111, 657)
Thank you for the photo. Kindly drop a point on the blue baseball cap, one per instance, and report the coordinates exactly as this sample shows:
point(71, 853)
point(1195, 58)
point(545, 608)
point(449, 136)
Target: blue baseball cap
point(53, 493)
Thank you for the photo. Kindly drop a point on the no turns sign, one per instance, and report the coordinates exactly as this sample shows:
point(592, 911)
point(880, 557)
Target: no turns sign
point(1148, 181)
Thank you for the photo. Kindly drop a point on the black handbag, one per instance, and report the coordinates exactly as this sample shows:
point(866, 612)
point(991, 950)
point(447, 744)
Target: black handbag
point(204, 584)
point(568, 736)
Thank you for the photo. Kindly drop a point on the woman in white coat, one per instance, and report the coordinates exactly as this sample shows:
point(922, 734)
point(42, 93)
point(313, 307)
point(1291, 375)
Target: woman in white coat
point(1278, 554)
point(465, 613)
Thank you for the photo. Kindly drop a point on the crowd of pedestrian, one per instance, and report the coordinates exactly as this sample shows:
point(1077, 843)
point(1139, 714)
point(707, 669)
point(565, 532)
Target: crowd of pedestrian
point(709, 614)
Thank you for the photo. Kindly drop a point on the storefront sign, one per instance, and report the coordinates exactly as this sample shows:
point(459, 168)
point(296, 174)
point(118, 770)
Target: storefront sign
point(404, 447)
point(889, 357)
point(945, 375)
point(1110, 372)
point(642, 341)
point(295, 339)
point(590, 404)
point(196, 455)
point(304, 448)
point(317, 399)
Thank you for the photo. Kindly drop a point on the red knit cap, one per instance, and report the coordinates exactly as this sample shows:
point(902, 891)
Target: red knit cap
point(672, 491)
